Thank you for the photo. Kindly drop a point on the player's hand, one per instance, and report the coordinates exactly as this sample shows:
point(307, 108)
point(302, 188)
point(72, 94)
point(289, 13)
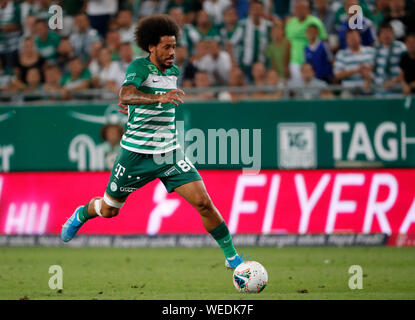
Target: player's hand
point(173, 96)
point(123, 108)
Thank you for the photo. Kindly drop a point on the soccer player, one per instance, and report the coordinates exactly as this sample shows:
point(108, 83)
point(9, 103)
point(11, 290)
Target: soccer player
point(149, 95)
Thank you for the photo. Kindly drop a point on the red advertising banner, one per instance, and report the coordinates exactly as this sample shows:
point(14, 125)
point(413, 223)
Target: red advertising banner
point(273, 201)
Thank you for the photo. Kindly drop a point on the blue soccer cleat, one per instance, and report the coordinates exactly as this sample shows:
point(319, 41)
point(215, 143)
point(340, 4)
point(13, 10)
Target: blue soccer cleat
point(234, 262)
point(71, 226)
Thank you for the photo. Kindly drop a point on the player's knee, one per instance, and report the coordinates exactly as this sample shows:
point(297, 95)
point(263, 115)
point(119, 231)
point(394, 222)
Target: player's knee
point(109, 212)
point(203, 204)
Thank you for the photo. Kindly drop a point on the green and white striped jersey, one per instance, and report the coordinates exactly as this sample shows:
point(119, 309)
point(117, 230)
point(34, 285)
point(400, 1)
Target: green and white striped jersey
point(151, 128)
point(386, 62)
point(226, 36)
point(10, 14)
point(253, 40)
point(347, 60)
point(191, 35)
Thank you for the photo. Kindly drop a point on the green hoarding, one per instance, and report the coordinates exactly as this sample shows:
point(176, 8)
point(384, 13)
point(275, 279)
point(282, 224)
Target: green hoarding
point(278, 134)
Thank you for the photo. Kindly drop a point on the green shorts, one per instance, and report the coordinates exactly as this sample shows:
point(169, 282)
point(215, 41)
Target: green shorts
point(133, 170)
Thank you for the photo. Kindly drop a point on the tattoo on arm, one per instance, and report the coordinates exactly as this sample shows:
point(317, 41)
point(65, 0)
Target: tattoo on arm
point(129, 95)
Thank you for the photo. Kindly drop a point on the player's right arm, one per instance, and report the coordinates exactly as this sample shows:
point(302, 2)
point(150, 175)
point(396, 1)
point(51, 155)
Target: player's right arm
point(130, 95)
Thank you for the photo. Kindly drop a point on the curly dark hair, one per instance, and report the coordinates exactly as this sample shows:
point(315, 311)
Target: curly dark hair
point(151, 29)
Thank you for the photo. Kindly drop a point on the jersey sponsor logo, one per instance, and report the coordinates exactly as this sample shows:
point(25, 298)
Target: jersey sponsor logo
point(119, 171)
point(127, 189)
point(297, 145)
point(113, 186)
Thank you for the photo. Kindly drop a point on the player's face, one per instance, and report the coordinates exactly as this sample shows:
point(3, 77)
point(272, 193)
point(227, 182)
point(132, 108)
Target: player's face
point(164, 52)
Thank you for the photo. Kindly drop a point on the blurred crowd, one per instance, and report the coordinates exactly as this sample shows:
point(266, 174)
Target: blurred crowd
point(272, 44)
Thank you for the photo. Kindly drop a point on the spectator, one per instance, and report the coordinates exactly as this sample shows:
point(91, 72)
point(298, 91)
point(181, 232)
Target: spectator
point(41, 10)
point(126, 25)
point(407, 66)
point(259, 73)
point(100, 13)
point(111, 134)
point(253, 35)
point(113, 42)
point(273, 80)
point(227, 31)
point(70, 10)
point(202, 31)
point(28, 58)
point(309, 87)
point(29, 28)
point(149, 7)
point(215, 9)
point(295, 31)
point(52, 77)
point(10, 31)
point(100, 75)
point(83, 37)
point(278, 51)
point(78, 77)
point(367, 32)
point(202, 80)
point(187, 68)
point(218, 44)
point(381, 11)
point(318, 54)
point(28, 7)
point(7, 78)
point(126, 57)
point(354, 64)
point(66, 54)
point(47, 42)
point(401, 20)
point(94, 54)
point(388, 55)
point(323, 11)
point(189, 8)
point(217, 63)
point(236, 79)
point(177, 14)
point(118, 69)
point(33, 80)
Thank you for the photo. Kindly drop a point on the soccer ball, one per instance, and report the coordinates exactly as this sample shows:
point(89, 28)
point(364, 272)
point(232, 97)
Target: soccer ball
point(250, 276)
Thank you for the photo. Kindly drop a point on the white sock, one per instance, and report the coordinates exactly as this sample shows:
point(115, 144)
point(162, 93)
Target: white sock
point(97, 206)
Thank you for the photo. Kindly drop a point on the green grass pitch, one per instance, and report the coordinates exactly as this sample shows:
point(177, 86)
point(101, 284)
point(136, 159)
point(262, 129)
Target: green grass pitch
point(199, 273)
